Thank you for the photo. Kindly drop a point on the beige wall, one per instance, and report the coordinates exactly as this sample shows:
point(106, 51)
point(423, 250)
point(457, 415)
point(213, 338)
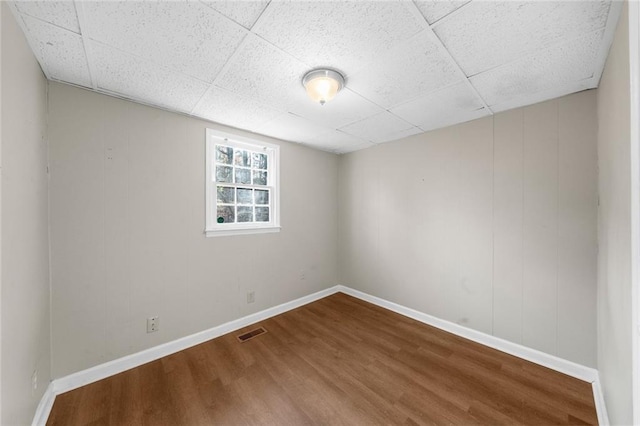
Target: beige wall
point(489, 224)
point(25, 234)
point(127, 221)
point(614, 229)
point(1, 17)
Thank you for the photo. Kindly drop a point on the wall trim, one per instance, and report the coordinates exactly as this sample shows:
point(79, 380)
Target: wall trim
point(44, 407)
point(564, 366)
point(598, 398)
point(102, 371)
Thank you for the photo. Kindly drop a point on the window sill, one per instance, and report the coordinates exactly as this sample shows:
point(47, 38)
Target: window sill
point(245, 231)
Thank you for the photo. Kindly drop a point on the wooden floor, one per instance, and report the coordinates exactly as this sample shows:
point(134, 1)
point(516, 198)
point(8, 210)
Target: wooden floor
point(335, 361)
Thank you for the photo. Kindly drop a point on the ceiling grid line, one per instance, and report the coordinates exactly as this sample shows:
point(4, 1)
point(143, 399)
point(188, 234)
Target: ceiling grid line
point(166, 68)
point(30, 39)
point(224, 68)
point(536, 52)
point(84, 33)
point(410, 68)
point(250, 33)
point(429, 93)
point(49, 23)
point(615, 10)
point(449, 15)
point(260, 17)
point(264, 15)
point(443, 49)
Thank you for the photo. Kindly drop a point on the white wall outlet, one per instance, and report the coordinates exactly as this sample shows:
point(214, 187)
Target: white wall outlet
point(251, 296)
point(34, 381)
point(153, 324)
point(303, 275)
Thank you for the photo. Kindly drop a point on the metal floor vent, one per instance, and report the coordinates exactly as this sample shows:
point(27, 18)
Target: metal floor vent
point(251, 334)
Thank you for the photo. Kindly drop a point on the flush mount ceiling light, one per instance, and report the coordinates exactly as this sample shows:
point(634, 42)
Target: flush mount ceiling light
point(323, 84)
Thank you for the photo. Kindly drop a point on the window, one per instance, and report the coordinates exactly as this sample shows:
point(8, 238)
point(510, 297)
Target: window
point(242, 185)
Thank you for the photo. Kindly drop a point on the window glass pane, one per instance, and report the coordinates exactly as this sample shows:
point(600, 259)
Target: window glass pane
point(262, 214)
point(226, 195)
point(245, 196)
point(243, 176)
point(241, 185)
point(226, 214)
point(262, 196)
point(223, 154)
point(259, 177)
point(245, 214)
point(242, 158)
point(259, 160)
point(224, 174)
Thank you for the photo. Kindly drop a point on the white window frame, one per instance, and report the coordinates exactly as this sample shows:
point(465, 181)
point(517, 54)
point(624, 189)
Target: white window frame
point(212, 227)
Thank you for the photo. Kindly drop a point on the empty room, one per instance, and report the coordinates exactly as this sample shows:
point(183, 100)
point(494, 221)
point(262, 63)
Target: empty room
point(349, 212)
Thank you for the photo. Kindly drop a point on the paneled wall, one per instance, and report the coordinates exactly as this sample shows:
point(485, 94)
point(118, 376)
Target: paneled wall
point(490, 224)
point(614, 230)
point(127, 222)
point(26, 339)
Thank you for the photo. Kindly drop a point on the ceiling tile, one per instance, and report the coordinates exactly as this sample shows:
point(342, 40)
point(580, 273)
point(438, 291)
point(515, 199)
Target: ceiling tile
point(264, 73)
point(60, 52)
point(487, 34)
point(398, 135)
point(446, 106)
point(562, 64)
point(347, 107)
point(341, 34)
point(434, 10)
point(337, 141)
point(137, 79)
point(59, 13)
point(290, 127)
point(200, 54)
point(538, 97)
point(353, 148)
point(188, 37)
point(229, 108)
point(416, 67)
point(378, 128)
point(457, 118)
point(245, 13)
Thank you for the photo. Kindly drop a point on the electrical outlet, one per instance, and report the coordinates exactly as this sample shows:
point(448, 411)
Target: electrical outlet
point(153, 324)
point(251, 296)
point(34, 381)
point(303, 275)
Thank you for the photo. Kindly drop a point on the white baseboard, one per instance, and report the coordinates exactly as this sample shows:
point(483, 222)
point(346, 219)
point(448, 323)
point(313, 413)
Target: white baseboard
point(99, 372)
point(102, 371)
point(601, 408)
point(550, 361)
point(44, 407)
point(564, 366)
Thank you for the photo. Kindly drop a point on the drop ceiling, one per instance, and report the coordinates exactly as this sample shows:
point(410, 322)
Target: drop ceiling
point(410, 66)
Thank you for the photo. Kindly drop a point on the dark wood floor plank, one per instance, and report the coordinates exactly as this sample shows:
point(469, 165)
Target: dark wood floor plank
point(338, 361)
point(125, 405)
point(316, 395)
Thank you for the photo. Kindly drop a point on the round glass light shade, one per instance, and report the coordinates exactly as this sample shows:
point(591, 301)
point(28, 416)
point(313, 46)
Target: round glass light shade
point(323, 85)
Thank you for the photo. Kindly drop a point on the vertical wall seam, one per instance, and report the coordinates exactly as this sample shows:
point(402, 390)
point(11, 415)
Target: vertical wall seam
point(104, 279)
point(493, 223)
point(557, 224)
point(47, 108)
point(1, 180)
point(522, 210)
point(128, 226)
